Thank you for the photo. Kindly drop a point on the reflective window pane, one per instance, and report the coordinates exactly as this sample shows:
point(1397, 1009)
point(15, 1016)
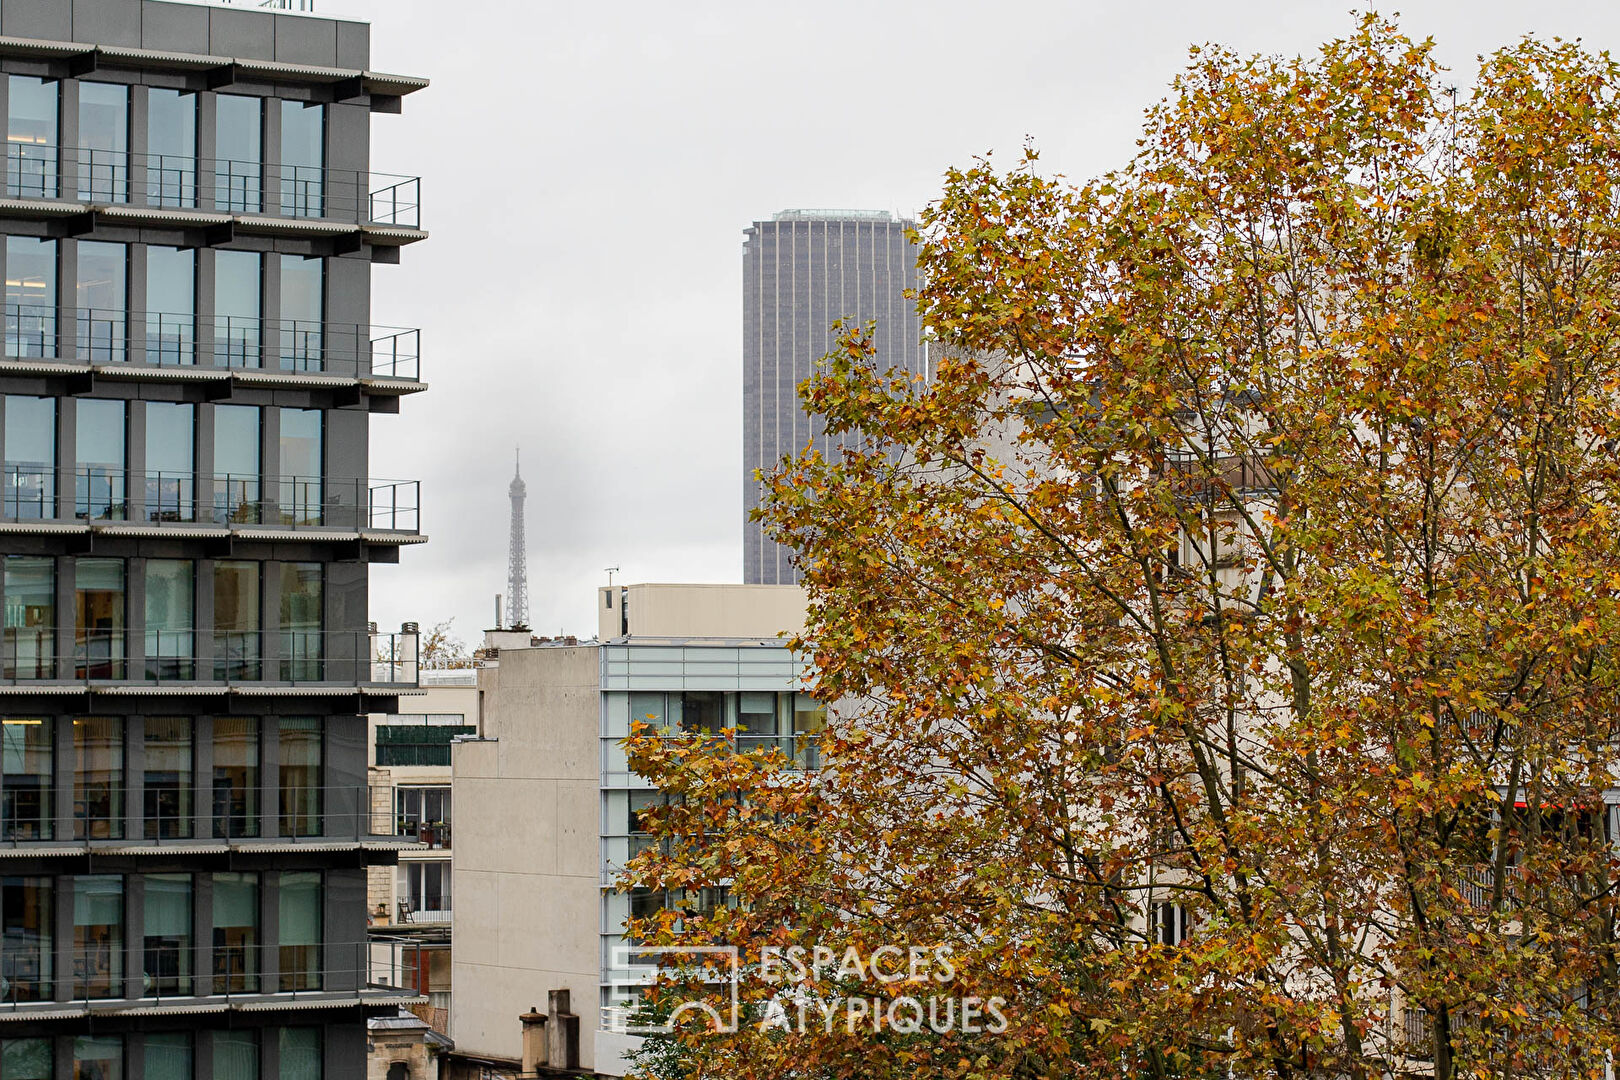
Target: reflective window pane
point(98, 477)
point(236, 620)
point(30, 644)
point(236, 463)
point(303, 159)
point(30, 490)
point(303, 311)
point(238, 141)
point(27, 908)
point(168, 809)
point(26, 1059)
point(28, 752)
point(236, 944)
point(98, 778)
point(31, 137)
point(98, 1057)
point(103, 142)
point(301, 756)
point(102, 301)
point(168, 1055)
point(301, 614)
point(236, 776)
point(301, 1053)
point(166, 944)
point(171, 304)
point(300, 498)
point(171, 461)
point(170, 607)
point(300, 930)
point(238, 288)
point(98, 936)
point(30, 297)
point(171, 148)
point(98, 628)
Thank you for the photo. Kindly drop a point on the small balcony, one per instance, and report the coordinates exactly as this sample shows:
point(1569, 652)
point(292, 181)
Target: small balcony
point(219, 185)
point(111, 338)
point(107, 497)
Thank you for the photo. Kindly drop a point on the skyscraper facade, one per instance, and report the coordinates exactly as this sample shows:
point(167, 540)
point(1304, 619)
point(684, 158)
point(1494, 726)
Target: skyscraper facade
point(802, 271)
point(187, 517)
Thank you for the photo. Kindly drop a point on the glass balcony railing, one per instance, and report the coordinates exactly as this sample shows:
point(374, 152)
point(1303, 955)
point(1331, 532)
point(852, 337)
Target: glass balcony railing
point(183, 182)
point(229, 342)
point(103, 493)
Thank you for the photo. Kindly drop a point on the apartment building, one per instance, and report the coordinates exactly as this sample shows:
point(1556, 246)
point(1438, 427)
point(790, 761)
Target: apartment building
point(189, 225)
point(547, 808)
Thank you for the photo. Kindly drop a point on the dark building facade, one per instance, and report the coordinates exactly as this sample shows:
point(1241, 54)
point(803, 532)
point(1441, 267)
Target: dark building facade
point(802, 271)
point(189, 224)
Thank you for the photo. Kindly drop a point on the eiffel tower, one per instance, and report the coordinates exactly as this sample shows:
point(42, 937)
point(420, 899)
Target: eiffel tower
point(517, 558)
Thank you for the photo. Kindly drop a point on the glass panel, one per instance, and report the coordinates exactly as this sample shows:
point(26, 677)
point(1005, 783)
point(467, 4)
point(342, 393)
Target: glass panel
point(300, 931)
point(809, 721)
point(303, 157)
point(238, 175)
point(301, 597)
point(98, 936)
point(103, 142)
point(236, 939)
point(167, 1056)
point(301, 1053)
point(98, 627)
point(171, 461)
point(27, 752)
point(98, 777)
point(170, 643)
point(171, 148)
point(30, 645)
point(301, 760)
point(30, 297)
point(236, 463)
point(756, 721)
point(99, 475)
point(31, 138)
point(301, 459)
point(30, 457)
point(171, 305)
point(238, 289)
point(26, 908)
point(425, 886)
point(102, 301)
point(26, 1059)
point(167, 814)
point(167, 946)
point(236, 620)
point(236, 776)
point(98, 1057)
point(303, 311)
point(702, 710)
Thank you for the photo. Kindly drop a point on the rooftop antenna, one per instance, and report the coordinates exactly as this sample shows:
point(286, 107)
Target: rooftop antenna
point(517, 558)
point(610, 572)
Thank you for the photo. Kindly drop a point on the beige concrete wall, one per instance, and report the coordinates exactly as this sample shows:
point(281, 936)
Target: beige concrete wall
point(703, 611)
point(527, 850)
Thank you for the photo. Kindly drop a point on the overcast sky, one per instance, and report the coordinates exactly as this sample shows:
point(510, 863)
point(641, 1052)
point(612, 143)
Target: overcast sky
point(587, 171)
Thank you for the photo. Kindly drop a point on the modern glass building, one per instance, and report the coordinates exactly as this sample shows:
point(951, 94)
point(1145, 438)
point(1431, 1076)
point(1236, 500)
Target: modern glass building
point(188, 226)
point(802, 271)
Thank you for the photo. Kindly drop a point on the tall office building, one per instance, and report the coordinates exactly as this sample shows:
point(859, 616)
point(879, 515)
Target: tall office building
point(188, 230)
point(802, 271)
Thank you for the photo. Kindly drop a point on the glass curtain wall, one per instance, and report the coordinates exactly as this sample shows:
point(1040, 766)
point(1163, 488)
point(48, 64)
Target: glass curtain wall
point(103, 142)
point(98, 627)
point(171, 644)
point(166, 947)
point(30, 298)
point(301, 761)
point(171, 148)
point(31, 137)
point(237, 646)
point(171, 461)
point(101, 302)
point(239, 142)
point(168, 789)
point(98, 778)
point(98, 936)
point(238, 308)
point(301, 600)
point(171, 305)
point(300, 930)
point(303, 159)
point(236, 776)
point(27, 757)
point(98, 475)
point(236, 464)
point(303, 313)
point(301, 496)
point(236, 940)
point(30, 643)
point(27, 906)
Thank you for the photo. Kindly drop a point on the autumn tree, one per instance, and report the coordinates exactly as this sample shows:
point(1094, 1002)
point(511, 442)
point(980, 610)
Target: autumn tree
point(1222, 636)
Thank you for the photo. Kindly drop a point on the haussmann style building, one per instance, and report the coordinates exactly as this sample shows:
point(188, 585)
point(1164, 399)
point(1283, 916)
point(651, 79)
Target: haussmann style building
point(188, 228)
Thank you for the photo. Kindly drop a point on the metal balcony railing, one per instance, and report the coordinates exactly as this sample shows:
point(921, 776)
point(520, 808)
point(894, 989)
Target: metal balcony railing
point(186, 182)
point(229, 342)
point(154, 656)
point(28, 492)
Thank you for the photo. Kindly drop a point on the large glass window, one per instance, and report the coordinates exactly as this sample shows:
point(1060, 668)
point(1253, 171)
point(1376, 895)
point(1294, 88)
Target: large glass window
point(28, 779)
point(237, 648)
point(30, 645)
point(167, 946)
point(301, 760)
point(27, 1059)
point(301, 467)
point(171, 643)
point(303, 312)
point(238, 308)
point(30, 457)
point(809, 723)
point(756, 721)
point(239, 142)
point(102, 301)
point(98, 1057)
point(31, 132)
point(171, 461)
point(167, 813)
point(171, 305)
point(103, 142)
point(30, 297)
point(423, 812)
point(100, 435)
point(27, 905)
point(301, 599)
point(303, 159)
point(98, 936)
point(300, 930)
point(424, 888)
point(98, 777)
point(171, 148)
point(168, 1056)
point(98, 627)
point(236, 463)
point(301, 1053)
point(236, 776)
point(236, 941)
